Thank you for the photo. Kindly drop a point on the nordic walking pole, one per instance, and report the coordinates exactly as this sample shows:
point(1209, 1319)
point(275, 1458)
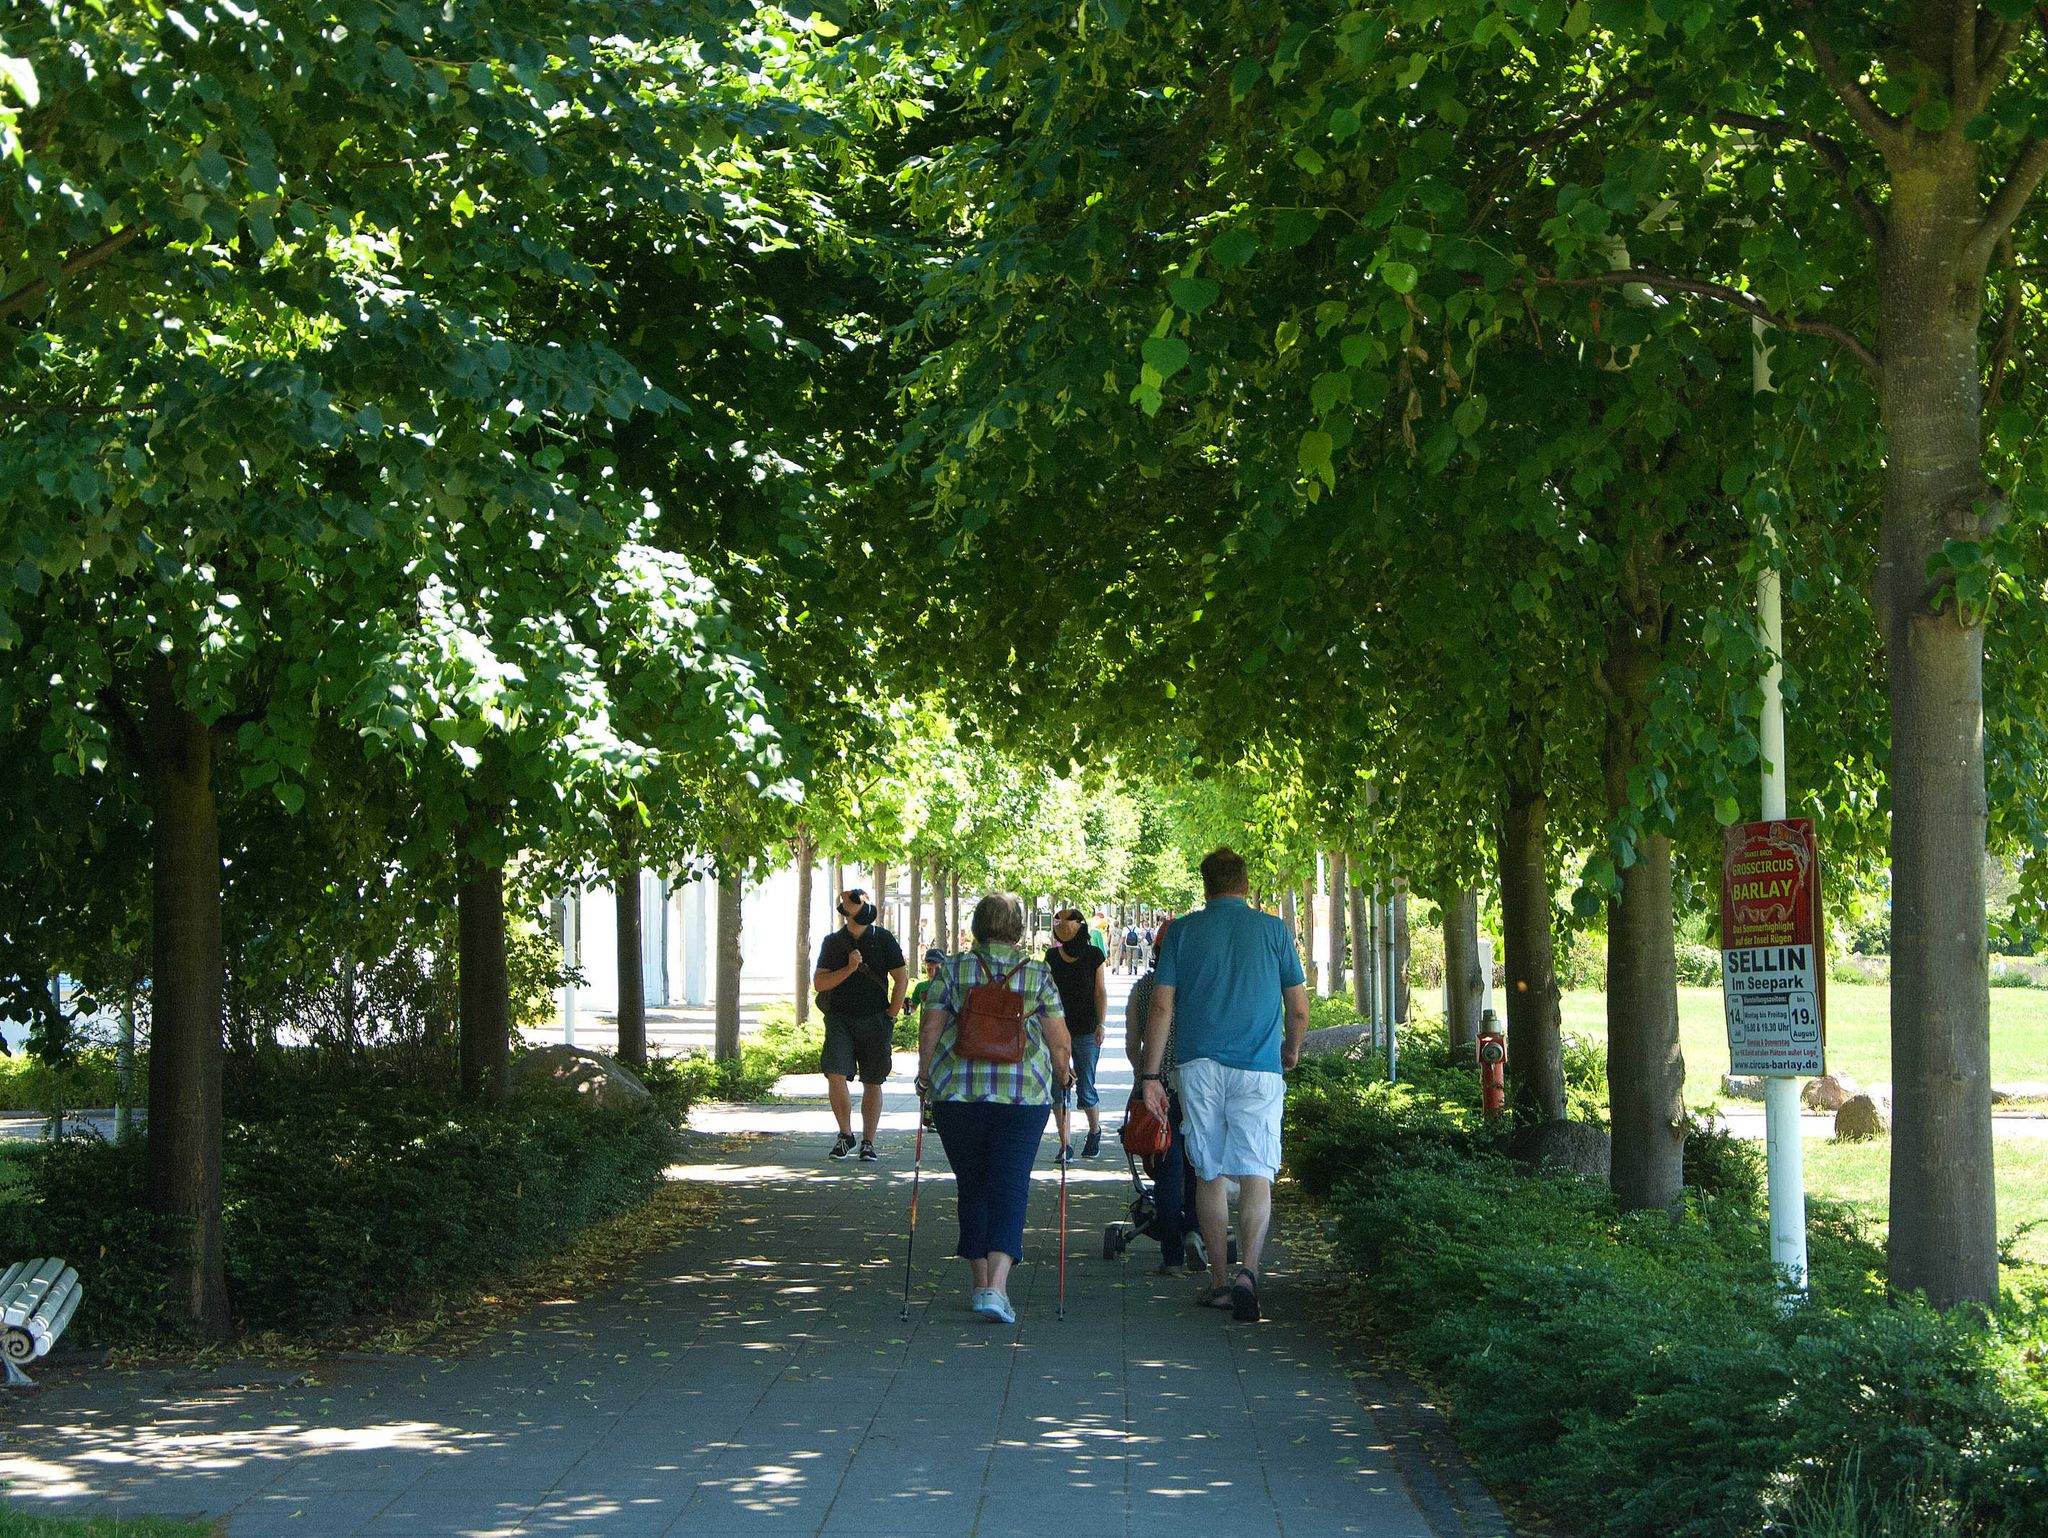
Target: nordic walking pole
point(1062, 1312)
point(916, 1175)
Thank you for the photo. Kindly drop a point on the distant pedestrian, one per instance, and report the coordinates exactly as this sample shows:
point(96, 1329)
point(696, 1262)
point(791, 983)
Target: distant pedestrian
point(860, 982)
point(1077, 970)
point(1231, 991)
point(1129, 956)
point(991, 1113)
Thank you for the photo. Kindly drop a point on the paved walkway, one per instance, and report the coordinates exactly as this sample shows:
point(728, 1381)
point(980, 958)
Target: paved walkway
point(760, 1379)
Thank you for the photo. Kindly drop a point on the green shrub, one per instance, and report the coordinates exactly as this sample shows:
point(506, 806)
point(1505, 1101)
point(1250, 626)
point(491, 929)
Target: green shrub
point(1699, 966)
point(1582, 960)
point(87, 1080)
point(1425, 958)
point(1333, 1010)
point(1585, 1080)
point(779, 1046)
point(1720, 1162)
point(338, 1204)
point(1639, 1377)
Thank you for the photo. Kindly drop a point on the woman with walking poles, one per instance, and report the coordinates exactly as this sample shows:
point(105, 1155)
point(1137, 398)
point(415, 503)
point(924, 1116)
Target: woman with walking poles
point(993, 1052)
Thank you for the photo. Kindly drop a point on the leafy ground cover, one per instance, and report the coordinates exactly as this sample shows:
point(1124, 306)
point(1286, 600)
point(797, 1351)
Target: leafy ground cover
point(22, 1524)
point(1634, 1375)
point(342, 1203)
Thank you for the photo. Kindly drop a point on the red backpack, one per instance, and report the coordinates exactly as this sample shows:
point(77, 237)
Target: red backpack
point(991, 1024)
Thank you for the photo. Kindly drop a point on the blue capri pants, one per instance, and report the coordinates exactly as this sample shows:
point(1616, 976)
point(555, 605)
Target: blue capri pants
point(991, 1147)
point(1087, 1054)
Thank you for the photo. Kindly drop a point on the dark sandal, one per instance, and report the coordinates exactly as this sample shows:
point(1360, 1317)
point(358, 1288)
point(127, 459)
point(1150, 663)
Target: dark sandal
point(1214, 1297)
point(1244, 1297)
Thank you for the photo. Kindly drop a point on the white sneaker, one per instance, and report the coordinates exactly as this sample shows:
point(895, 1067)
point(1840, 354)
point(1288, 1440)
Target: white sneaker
point(995, 1306)
point(979, 1302)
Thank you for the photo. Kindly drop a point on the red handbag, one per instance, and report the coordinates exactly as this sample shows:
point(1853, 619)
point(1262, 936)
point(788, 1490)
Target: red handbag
point(1145, 1133)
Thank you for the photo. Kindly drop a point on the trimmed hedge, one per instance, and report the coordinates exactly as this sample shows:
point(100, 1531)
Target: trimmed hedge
point(1637, 1377)
point(342, 1203)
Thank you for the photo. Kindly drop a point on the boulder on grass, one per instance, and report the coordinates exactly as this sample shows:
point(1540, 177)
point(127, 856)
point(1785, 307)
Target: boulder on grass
point(1829, 1092)
point(1571, 1146)
point(1863, 1116)
point(605, 1081)
point(1336, 1041)
point(2025, 1089)
point(1742, 1086)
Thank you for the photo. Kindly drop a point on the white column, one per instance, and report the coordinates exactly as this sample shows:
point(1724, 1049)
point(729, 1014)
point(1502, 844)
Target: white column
point(571, 948)
point(1784, 1153)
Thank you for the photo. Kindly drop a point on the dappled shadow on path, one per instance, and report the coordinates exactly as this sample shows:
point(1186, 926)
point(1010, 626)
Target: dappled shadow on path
point(762, 1377)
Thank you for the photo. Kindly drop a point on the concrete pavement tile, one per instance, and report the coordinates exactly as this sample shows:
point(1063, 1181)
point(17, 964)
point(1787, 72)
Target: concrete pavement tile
point(621, 1516)
point(330, 1515)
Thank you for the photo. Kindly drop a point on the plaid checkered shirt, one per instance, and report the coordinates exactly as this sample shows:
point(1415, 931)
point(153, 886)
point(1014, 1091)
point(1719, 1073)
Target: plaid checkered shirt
point(958, 1078)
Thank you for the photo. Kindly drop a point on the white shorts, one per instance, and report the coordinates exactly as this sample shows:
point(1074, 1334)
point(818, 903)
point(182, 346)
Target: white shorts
point(1231, 1119)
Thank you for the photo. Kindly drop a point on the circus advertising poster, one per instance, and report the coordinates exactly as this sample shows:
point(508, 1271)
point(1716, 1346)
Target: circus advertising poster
point(1772, 981)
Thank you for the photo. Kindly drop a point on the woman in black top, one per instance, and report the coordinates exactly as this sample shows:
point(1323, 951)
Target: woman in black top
point(1077, 971)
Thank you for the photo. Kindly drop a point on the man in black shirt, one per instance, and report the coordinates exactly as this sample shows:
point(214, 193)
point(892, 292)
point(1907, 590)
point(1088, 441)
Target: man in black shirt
point(860, 982)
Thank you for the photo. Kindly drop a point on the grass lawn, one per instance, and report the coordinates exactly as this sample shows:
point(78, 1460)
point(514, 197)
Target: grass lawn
point(1860, 1173)
point(19, 1524)
point(1859, 1044)
point(1859, 1033)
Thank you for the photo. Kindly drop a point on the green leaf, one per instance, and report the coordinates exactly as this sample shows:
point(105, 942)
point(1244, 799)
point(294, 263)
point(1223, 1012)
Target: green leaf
point(1233, 248)
point(1194, 295)
point(291, 795)
point(1244, 76)
point(1167, 355)
point(1932, 116)
point(1328, 391)
point(1401, 277)
point(1313, 456)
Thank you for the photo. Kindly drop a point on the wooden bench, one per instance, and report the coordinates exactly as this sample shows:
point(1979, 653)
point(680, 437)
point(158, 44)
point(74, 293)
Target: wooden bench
point(37, 1300)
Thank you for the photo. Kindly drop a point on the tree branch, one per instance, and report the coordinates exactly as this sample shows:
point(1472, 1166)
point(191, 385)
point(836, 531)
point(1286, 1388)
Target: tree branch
point(1736, 298)
point(1597, 112)
point(1830, 149)
point(2006, 206)
point(1880, 127)
point(91, 256)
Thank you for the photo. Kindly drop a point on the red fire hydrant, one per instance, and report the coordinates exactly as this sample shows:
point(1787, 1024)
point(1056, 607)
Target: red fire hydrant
point(1492, 1051)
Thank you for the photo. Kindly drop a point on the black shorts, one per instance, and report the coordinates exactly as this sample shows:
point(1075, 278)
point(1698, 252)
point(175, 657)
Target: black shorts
point(858, 1043)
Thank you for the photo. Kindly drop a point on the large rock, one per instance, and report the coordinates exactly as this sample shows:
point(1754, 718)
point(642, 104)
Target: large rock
point(2025, 1089)
point(1863, 1116)
point(1565, 1145)
point(606, 1081)
point(1336, 1041)
point(1742, 1086)
point(1829, 1092)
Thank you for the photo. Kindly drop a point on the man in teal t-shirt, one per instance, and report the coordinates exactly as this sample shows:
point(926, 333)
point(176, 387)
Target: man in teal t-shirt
point(1231, 988)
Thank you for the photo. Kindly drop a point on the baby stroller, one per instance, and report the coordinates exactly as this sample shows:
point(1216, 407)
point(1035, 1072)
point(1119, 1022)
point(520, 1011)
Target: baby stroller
point(1145, 1222)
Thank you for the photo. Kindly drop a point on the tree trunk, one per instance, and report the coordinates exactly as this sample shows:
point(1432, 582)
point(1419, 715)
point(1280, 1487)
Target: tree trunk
point(806, 862)
point(726, 1032)
point(915, 948)
point(1309, 964)
point(953, 933)
point(838, 883)
point(186, 1027)
point(1291, 917)
point(1400, 933)
point(1535, 1034)
point(1361, 963)
point(1645, 1067)
point(881, 897)
point(484, 1009)
point(1337, 868)
point(1944, 1239)
point(632, 978)
point(1464, 983)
